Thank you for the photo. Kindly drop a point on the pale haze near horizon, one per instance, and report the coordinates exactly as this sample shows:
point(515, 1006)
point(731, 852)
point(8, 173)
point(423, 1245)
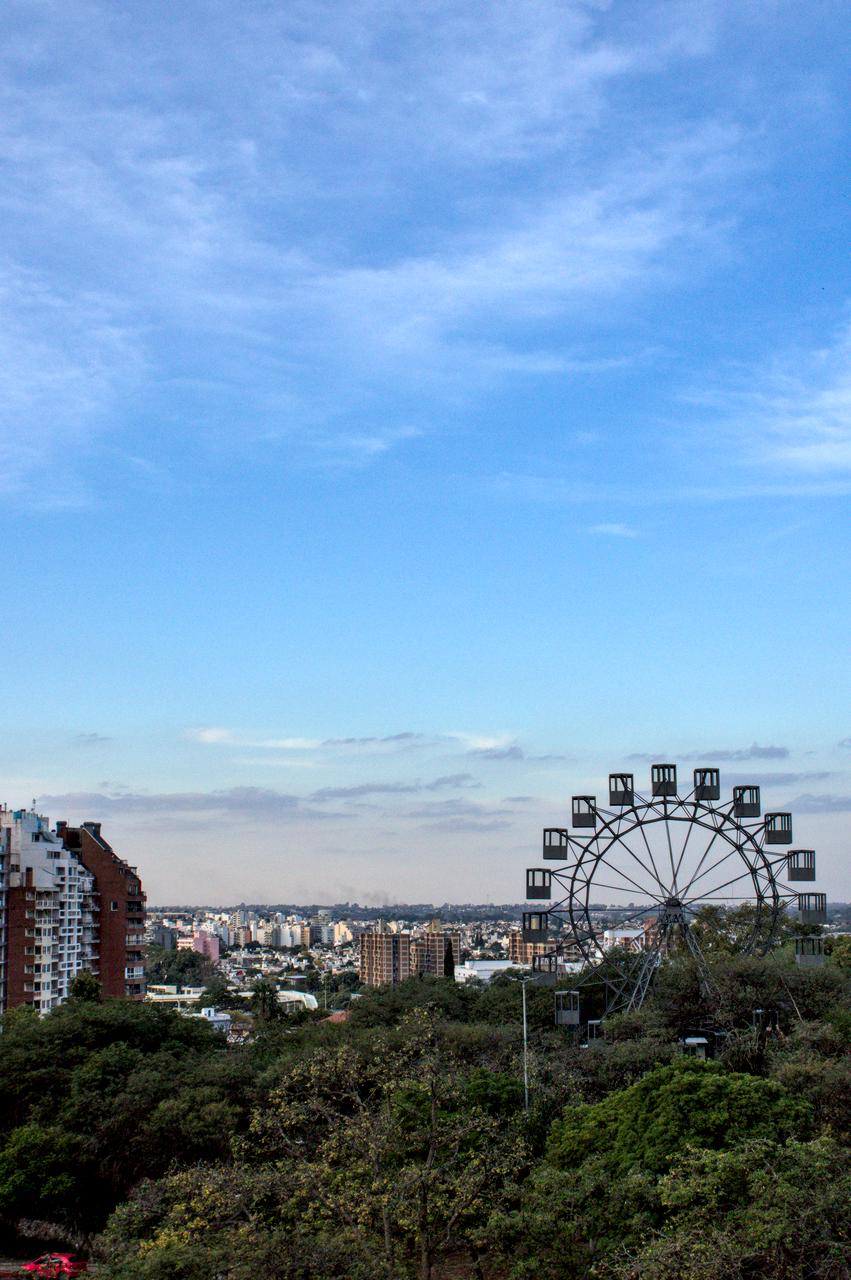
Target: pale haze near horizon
point(409, 416)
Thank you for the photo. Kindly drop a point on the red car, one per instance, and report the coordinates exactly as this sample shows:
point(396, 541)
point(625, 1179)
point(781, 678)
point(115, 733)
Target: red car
point(52, 1265)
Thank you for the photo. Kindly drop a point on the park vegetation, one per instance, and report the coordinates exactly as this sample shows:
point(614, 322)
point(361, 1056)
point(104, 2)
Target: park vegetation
point(395, 1146)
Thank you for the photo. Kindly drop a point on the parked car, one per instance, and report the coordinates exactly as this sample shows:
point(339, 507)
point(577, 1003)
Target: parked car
point(52, 1265)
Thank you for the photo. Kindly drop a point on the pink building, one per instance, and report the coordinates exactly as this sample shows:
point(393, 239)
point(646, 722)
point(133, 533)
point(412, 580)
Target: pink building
point(207, 944)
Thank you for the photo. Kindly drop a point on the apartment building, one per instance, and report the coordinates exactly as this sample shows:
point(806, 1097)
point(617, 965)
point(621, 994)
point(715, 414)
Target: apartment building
point(389, 957)
point(50, 929)
point(122, 910)
point(523, 953)
point(436, 952)
point(69, 904)
point(385, 958)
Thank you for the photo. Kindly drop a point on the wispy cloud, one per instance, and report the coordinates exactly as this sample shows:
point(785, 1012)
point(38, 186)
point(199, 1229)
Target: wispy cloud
point(776, 779)
point(808, 803)
point(363, 789)
point(614, 530)
point(721, 755)
point(247, 802)
point(792, 415)
point(215, 213)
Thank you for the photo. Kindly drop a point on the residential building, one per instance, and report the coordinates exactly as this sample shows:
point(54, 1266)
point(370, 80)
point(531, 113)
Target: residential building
point(122, 910)
point(385, 958)
point(50, 927)
point(436, 952)
point(206, 944)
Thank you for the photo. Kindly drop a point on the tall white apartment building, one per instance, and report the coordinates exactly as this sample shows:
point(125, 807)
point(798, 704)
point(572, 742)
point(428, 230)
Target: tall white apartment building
point(50, 912)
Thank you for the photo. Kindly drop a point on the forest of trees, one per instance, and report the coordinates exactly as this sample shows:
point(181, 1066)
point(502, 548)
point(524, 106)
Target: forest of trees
point(396, 1145)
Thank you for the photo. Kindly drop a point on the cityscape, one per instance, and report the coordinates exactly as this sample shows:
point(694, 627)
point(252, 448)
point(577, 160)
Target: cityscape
point(425, 516)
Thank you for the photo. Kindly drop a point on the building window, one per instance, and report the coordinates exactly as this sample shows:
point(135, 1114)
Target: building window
point(113, 906)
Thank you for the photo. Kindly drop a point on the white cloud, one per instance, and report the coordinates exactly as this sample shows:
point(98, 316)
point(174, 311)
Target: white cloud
point(210, 735)
point(614, 530)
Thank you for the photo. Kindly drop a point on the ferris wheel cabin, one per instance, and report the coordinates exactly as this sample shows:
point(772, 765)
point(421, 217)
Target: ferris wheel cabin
point(584, 811)
point(556, 844)
point(535, 926)
point(812, 908)
point(663, 779)
point(809, 951)
point(801, 864)
point(621, 788)
point(538, 883)
point(778, 828)
point(746, 803)
point(707, 784)
point(567, 1008)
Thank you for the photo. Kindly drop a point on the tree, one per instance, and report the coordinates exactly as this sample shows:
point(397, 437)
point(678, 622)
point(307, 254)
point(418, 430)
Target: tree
point(685, 1104)
point(217, 994)
point(85, 987)
point(391, 1144)
point(265, 1004)
point(763, 1209)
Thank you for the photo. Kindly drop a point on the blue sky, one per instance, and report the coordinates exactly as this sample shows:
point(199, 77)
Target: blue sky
point(409, 413)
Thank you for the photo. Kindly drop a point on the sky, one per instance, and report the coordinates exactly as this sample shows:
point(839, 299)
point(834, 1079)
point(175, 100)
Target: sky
point(410, 414)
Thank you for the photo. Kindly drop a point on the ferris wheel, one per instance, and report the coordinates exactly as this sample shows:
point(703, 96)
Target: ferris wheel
point(658, 859)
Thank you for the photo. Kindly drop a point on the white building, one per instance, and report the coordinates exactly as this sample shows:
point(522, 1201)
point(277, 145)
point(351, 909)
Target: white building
point(628, 939)
point(56, 894)
point(483, 970)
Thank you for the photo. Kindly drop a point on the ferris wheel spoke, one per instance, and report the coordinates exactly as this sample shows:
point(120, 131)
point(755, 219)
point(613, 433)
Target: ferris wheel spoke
point(618, 840)
point(691, 827)
point(652, 859)
point(731, 853)
point(704, 856)
point(670, 850)
point(611, 866)
point(618, 888)
point(701, 897)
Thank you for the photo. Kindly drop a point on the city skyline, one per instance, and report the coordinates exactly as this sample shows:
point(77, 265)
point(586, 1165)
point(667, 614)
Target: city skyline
point(410, 417)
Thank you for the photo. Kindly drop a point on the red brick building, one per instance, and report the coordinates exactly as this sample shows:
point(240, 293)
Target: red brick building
point(120, 910)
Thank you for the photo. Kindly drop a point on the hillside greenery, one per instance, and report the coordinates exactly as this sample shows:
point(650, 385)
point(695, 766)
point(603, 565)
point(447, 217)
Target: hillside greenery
point(396, 1144)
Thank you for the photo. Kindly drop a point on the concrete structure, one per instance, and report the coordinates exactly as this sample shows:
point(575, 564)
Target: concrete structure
point(215, 1018)
point(482, 970)
point(297, 999)
point(174, 996)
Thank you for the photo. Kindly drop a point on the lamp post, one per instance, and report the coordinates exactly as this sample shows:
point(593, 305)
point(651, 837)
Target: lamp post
point(523, 982)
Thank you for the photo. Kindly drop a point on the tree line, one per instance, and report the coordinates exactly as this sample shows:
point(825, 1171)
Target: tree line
point(396, 1145)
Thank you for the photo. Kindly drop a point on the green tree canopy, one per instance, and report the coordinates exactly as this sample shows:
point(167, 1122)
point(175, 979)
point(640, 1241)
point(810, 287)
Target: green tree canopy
point(685, 1104)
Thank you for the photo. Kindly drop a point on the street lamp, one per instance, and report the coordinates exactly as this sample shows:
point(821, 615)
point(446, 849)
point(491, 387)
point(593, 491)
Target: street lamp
point(523, 981)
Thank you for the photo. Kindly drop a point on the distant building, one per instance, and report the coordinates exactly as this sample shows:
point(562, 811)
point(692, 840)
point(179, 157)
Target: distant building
point(385, 958)
point(206, 944)
point(161, 935)
point(436, 952)
point(50, 930)
point(481, 970)
point(626, 939)
point(388, 956)
point(523, 953)
point(215, 1018)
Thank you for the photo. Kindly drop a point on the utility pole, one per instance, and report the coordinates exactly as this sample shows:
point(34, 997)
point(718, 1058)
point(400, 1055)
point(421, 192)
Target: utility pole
point(523, 982)
point(525, 1051)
